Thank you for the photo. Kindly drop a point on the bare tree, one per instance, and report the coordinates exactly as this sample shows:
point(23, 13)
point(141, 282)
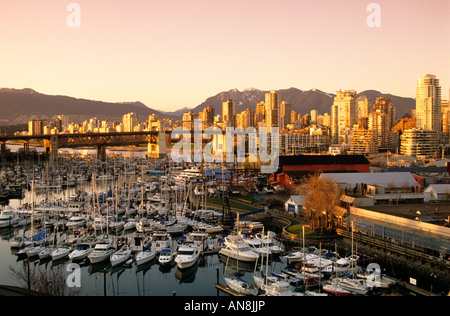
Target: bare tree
point(46, 282)
point(321, 198)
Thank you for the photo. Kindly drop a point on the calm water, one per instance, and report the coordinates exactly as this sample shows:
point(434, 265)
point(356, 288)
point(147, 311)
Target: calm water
point(149, 280)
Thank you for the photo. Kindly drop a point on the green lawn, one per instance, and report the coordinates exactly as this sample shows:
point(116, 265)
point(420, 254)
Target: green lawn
point(297, 229)
point(233, 204)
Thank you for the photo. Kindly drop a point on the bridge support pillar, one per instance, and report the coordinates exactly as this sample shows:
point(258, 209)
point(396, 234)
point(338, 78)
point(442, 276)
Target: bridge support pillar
point(26, 147)
point(101, 153)
point(3, 149)
point(51, 148)
point(159, 149)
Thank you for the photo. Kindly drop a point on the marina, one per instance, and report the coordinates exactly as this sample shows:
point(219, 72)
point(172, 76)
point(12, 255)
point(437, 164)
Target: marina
point(136, 233)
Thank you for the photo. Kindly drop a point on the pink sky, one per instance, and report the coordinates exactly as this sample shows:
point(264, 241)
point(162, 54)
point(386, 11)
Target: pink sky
point(170, 54)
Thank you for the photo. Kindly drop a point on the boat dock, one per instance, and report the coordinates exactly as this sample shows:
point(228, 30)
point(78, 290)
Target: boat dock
point(227, 290)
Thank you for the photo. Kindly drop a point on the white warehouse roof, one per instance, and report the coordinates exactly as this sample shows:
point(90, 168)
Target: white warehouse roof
point(386, 179)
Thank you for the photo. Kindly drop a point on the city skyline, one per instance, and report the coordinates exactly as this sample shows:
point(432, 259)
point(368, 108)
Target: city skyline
point(146, 50)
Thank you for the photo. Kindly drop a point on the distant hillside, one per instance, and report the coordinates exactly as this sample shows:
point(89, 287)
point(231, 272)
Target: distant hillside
point(21, 106)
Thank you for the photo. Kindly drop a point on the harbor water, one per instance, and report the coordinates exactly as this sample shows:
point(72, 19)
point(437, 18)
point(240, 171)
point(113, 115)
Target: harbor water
point(151, 279)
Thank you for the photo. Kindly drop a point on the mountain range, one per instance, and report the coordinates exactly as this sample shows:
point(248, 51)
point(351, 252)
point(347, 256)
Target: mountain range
point(18, 106)
point(301, 101)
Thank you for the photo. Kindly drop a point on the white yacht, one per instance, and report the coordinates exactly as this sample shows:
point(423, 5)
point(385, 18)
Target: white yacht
point(102, 251)
point(99, 223)
point(279, 288)
point(161, 240)
point(120, 256)
point(240, 286)
point(145, 256)
point(82, 251)
point(8, 218)
point(236, 248)
point(166, 256)
point(187, 256)
point(76, 221)
point(60, 252)
point(105, 177)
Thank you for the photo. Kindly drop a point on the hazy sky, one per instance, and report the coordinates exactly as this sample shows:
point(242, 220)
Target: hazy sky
point(170, 54)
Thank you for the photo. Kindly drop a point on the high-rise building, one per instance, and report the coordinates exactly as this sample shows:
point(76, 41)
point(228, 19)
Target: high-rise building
point(272, 102)
point(327, 120)
point(364, 141)
point(229, 111)
point(445, 116)
point(129, 120)
point(314, 114)
point(188, 120)
point(293, 117)
point(363, 106)
point(344, 114)
point(207, 116)
point(380, 120)
point(36, 127)
point(245, 119)
point(420, 143)
point(428, 103)
point(285, 114)
point(260, 114)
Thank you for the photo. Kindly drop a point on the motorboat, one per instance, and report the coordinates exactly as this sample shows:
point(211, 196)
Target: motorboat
point(313, 293)
point(278, 288)
point(354, 286)
point(102, 251)
point(176, 229)
point(240, 286)
point(16, 242)
point(105, 177)
point(161, 240)
point(166, 256)
point(187, 256)
point(145, 256)
point(120, 256)
point(257, 246)
point(130, 224)
point(76, 221)
point(82, 251)
point(335, 290)
point(60, 252)
point(117, 225)
point(275, 246)
point(341, 265)
point(8, 218)
point(200, 239)
point(99, 223)
point(236, 248)
point(145, 225)
point(45, 253)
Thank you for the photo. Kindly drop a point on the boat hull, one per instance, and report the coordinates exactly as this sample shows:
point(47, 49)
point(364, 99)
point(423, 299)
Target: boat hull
point(144, 257)
point(241, 256)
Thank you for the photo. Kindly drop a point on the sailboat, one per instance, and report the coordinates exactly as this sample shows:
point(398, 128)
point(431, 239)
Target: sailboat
point(120, 256)
point(236, 283)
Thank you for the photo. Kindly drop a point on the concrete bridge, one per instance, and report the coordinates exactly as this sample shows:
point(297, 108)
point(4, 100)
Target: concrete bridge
point(156, 142)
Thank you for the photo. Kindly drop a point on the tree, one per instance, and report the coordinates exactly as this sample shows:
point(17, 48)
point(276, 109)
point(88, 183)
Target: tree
point(321, 198)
